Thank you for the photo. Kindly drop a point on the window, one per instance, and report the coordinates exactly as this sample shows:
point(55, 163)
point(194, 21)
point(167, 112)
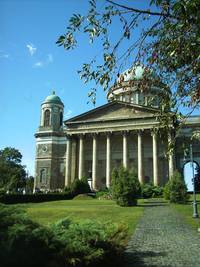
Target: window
point(61, 118)
point(47, 117)
point(42, 176)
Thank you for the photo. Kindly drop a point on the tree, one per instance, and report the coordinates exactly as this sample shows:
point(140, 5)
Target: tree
point(176, 190)
point(169, 46)
point(125, 187)
point(29, 184)
point(12, 173)
point(80, 186)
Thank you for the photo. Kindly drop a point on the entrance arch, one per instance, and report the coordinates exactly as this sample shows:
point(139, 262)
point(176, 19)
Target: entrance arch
point(188, 174)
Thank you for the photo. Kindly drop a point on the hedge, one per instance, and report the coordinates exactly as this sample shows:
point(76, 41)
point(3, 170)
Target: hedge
point(19, 198)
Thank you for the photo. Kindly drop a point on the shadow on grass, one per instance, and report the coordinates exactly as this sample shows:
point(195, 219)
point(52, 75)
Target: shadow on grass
point(191, 201)
point(149, 205)
point(136, 259)
point(153, 203)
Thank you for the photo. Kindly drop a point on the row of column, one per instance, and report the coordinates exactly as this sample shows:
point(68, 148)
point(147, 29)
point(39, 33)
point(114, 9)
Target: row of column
point(108, 159)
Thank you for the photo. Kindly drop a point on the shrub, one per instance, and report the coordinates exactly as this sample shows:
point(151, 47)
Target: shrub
point(148, 191)
point(26, 243)
point(19, 198)
point(176, 190)
point(91, 243)
point(64, 244)
point(125, 187)
point(80, 187)
point(83, 197)
point(104, 194)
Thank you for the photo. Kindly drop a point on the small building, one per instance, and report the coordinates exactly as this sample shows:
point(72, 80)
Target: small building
point(125, 131)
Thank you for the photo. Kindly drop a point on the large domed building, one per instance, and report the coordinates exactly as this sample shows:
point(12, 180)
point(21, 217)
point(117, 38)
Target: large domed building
point(125, 131)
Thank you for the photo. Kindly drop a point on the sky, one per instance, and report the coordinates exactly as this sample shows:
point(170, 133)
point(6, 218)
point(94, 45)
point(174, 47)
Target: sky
point(32, 66)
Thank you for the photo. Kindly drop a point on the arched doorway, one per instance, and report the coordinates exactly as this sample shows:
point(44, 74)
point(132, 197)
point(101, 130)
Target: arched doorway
point(188, 174)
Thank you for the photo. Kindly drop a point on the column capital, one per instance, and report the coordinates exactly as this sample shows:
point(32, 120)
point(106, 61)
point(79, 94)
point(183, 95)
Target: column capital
point(94, 135)
point(125, 133)
point(108, 134)
point(69, 136)
point(140, 132)
point(154, 131)
point(81, 135)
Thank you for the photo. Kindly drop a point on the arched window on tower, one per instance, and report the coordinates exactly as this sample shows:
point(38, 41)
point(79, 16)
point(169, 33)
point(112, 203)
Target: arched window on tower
point(47, 117)
point(43, 176)
point(61, 118)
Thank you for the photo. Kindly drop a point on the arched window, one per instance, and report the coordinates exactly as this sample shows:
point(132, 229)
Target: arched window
point(47, 117)
point(188, 174)
point(43, 176)
point(61, 118)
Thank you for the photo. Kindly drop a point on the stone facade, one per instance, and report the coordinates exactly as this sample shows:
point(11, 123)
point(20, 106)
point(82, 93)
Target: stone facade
point(118, 133)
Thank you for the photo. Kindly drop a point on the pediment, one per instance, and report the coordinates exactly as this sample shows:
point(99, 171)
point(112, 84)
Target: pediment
point(114, 111)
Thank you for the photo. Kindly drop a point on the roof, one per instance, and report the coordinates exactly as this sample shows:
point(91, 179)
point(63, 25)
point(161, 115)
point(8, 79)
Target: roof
point(53, 98)
point(94, 113)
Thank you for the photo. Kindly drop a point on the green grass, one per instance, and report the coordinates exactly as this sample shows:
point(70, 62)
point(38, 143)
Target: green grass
point(187, 211)
point(101, 210)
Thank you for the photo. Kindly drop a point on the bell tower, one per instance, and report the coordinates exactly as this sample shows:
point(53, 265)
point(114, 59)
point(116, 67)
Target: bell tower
point(52, 113)
point(50, 146)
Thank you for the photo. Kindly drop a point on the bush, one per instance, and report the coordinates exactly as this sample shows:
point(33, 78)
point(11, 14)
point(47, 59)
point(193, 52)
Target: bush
point(125, 187)
point(19, 198)
point(26, 243)
point(83, 197)
point(149, 191)
point(64, 244)
point(104, 194)
point(176, 190)
point(80, 187)
point(91, 243)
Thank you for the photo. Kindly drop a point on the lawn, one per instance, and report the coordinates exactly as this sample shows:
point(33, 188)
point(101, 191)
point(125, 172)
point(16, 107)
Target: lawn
point(102, 210)
point(187, 210)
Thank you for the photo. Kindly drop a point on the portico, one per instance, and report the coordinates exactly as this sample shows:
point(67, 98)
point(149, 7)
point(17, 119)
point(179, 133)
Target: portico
point(100, 151)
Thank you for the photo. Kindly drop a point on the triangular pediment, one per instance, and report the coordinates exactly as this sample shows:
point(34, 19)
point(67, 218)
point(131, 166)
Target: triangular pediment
point(114, 111)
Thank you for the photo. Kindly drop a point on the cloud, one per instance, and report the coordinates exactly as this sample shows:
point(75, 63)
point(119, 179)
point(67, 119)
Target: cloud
point(4, 55)
point(49, 58)
point(42, 63)
point(67, 114)
point(38, 64)
point(31, 49)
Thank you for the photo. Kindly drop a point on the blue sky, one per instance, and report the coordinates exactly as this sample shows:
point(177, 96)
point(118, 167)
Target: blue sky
point(32, 65)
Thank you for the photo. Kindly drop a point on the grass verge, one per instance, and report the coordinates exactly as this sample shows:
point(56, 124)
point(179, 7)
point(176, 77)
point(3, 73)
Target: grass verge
point(77, 210)
point(187, 211)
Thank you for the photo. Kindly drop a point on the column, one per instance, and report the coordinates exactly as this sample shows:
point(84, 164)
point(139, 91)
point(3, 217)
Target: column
point(94, 163)
point(155, 159)
point(108, 161)
point(68, 163)
point(125, 151)
point(81, 161)
point(171, 156)
point(42, 118)
point(140, 159)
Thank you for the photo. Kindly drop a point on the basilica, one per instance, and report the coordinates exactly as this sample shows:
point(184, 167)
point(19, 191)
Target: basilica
point(123, 132)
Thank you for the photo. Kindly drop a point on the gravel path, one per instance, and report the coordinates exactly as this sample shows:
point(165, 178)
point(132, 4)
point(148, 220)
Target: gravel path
point(163, 239)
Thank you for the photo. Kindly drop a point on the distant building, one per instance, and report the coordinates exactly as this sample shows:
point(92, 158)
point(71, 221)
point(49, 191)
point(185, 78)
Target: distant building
point(125, 131)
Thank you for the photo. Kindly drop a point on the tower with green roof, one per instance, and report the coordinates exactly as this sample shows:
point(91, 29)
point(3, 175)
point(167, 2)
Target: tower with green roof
point(50, 145)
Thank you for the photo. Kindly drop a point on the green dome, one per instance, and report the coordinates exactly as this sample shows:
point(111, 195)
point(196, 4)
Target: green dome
point(136, 73)
point(53, 98)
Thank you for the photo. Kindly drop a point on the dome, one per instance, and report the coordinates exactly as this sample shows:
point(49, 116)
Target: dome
point(135, 73)
point(53, 98)
point(138, 85)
